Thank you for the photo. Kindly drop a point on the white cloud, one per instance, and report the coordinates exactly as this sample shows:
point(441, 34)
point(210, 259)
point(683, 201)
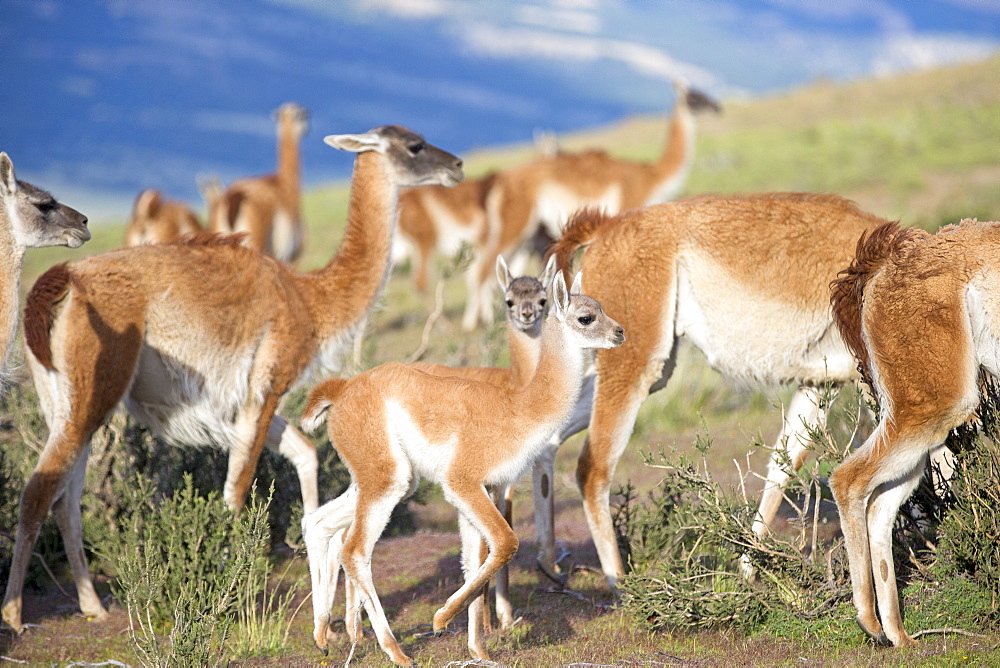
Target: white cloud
point(411, 9)
point(564, 19)
point(80, 86)
point(484, 39)
point(916, 52)
point(887, 17)
point(984, 6)
point(256, 125)
point(452, 93)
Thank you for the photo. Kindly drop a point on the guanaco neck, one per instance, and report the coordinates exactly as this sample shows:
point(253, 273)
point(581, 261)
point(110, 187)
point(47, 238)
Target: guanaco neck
point(11, 259)
point(670, 170)
point(289, 163)
point(555, 385)
point(341, 293)
point(525, 347)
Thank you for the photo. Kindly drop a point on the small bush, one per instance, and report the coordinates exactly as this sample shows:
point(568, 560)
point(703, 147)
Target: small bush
point(182, 564)
point(684, 548)
point(969, 545)
point(685, 542)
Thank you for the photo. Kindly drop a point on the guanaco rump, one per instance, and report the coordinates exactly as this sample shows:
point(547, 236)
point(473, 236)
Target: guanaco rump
point(269, 208)
point(745, 279)
point(921, 313)
point(156, 220)
point(543, 193)
point(29, 218)
point(394, 424)
point(436, 219)
point(200, 339)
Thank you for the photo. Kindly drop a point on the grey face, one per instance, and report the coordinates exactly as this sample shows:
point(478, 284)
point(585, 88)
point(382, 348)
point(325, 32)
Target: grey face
point(586, 317)
point(417, 162)
point(526, 302)
point(296, 114)
point(42, 221)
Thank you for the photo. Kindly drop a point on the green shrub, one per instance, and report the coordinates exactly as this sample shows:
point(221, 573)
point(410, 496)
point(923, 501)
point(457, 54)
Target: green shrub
point(684, 543)
point(684, 546)
point(182, 565)
point(124, 449)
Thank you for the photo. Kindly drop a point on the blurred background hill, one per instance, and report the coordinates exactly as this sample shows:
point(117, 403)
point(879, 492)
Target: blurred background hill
point(923, 148)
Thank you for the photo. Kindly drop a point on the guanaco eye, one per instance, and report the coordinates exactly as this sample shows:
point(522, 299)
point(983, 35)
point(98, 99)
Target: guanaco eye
point(415, 148)
point(510, 303)
point(585, 320)
point(46, 207)
point(542, 302)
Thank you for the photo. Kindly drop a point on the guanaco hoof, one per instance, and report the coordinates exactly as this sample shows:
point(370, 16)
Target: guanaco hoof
point(878, 638)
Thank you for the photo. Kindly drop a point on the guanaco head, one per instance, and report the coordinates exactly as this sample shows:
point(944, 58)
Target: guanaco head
point(589, 326)
point(526, 296)
point(416, 162)
point(694, 99)
point(35, 218)
point(157, 221)
point(292, 117)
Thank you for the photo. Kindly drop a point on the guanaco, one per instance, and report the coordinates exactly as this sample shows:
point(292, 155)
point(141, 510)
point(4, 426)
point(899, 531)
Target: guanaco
point(269, 208)
point(29, 218)
point(156, 220)
point(200, 339)
point(394, 424)
point(745, 279)
point(539, 196)
point(921, 314)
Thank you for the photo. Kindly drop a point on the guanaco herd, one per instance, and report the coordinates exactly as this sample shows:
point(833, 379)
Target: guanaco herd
point(200, 334)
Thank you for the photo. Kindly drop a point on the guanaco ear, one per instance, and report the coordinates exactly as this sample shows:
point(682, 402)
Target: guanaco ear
point(147, 204)
point(8, 182)
point(369, 141)
point(577, 287)
point(548, 273)
point(560, 297)
point(503, 274)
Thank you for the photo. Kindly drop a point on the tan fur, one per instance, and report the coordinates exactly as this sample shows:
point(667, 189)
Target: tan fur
point(200, 339)
point(257, 205)
point(156, 221)
point(29, 218)
point(929, 321)
point(745, 279)
point(394, 424)
point(429, 216)
point(544, 192)
point(848, 288)
point(526, 300)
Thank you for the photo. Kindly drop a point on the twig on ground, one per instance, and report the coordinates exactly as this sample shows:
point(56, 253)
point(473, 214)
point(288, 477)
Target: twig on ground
point(961, 632)
point(424, 634)
point(425, 338)
point(584, 568)
point(569, 592)
point(45, 566)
